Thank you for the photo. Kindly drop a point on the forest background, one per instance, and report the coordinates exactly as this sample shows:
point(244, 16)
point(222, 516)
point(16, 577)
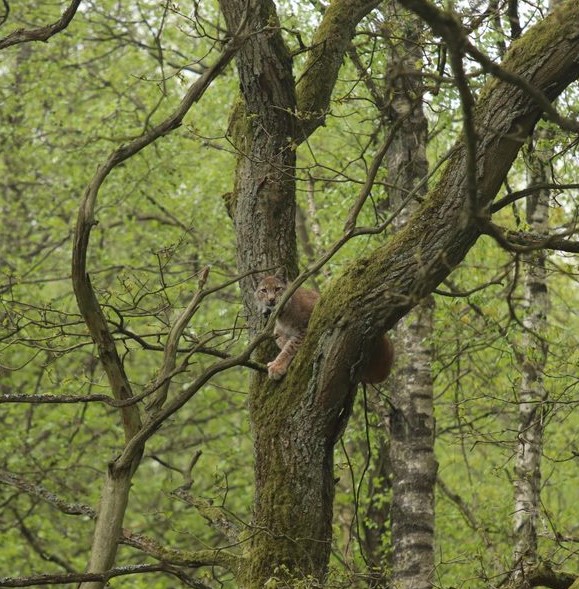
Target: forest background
point(154, 156)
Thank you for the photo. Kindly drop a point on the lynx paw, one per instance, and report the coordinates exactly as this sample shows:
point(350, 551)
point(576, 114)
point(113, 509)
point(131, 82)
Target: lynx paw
point(275, 370)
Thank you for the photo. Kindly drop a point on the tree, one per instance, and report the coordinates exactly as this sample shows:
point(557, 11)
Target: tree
point(297, 422)
point(412, 421)
point(378, 290)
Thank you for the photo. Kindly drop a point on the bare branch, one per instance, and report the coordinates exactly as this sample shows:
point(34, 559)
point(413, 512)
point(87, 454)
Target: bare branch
point(141, 542)
point(35, 543)
point(68, 399)
point(36, 580)
point(155, 421)
point(171, 347)
point(192, 559)
point(4, 17)
point(215, 515)
point(85, 295)
point(463, 507)
point(39, 33)
point(519, 194)
point(372, 172)
point(526, 241)
point(40, 492)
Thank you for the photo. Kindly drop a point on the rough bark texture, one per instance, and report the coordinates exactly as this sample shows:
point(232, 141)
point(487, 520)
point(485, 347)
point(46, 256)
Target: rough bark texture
point(273, 116)
point(376, 291)
point(297, 421)
point(293, 441)
point(263, 211)
point(532, 395)
point(262, 128)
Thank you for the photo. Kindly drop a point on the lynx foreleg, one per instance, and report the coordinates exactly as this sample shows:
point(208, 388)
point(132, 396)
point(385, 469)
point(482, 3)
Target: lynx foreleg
point(280, 337)
point(277, 368)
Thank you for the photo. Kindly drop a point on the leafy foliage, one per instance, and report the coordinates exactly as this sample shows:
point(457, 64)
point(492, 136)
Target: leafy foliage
point(162, 218)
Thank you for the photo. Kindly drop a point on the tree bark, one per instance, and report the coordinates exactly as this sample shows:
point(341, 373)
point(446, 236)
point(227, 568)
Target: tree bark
point(375, 291)
point(41, 33)
point(297, 421)
point(412, 420)
point(262, 129)
point(412, 457)
point(109, 523)
point(293, 444)
point(532, 395)
point(411, 387)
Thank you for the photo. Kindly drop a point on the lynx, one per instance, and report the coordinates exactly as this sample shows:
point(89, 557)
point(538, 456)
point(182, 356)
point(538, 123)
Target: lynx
point(292, 324)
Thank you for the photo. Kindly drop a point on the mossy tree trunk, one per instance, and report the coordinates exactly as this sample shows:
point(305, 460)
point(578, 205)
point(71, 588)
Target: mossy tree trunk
point(293, 442)
point(297, 421)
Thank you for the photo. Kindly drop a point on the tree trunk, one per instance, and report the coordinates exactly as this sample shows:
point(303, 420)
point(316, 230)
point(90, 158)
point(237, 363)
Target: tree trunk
point(412, 456)
point(109, 523)
point(412, 420)
point(294, 490)
point(297, 421)
point(262, 128)
point(532, 395)
point(293, 442)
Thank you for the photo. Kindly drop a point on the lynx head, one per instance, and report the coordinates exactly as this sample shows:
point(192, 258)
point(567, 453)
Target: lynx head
point(269, 291)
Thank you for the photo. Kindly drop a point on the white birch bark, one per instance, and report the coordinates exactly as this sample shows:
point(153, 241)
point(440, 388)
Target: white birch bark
point(532, 394)
point(411, 424)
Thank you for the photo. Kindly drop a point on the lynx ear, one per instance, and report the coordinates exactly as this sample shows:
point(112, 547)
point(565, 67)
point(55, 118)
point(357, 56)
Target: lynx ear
point(281, 273)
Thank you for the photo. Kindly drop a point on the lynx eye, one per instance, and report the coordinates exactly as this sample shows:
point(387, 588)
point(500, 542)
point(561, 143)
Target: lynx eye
point(278, 289)
point(263, 289)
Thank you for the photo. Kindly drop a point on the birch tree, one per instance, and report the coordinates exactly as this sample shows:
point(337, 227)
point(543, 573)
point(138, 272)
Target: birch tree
point(533, 395)
point(412, 420)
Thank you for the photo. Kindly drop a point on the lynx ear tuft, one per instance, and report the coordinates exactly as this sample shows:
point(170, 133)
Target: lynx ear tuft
point(281, 273)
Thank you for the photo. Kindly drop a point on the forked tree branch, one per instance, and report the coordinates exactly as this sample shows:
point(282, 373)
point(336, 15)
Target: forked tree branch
point(84, 292)
point(115, 493)
point(41, 33)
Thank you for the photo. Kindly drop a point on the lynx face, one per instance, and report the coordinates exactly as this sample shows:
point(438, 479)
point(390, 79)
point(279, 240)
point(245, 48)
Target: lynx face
point(268, 293)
